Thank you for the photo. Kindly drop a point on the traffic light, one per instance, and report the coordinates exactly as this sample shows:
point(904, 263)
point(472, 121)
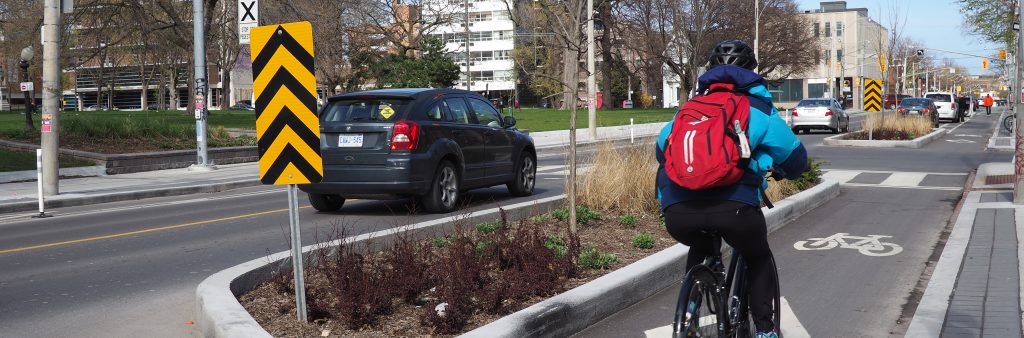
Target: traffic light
point(984, 64)
point(920, 52)
point(1002, 54)
point(881, 62)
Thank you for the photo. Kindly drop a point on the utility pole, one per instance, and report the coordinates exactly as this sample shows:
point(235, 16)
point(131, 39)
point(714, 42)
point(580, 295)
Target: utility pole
point(1018, 158)
point(757, 33)
point(469, 75)
point(51, 92)
point(591, 79)
point(201, 112)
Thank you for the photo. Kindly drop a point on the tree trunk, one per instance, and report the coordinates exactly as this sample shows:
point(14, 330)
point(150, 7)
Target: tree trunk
point(227, 94)
point(570, 64)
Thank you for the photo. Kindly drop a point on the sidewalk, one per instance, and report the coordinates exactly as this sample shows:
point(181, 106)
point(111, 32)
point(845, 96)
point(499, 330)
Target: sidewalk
point(1001, 139)
point(22, 196)
point(975, 289)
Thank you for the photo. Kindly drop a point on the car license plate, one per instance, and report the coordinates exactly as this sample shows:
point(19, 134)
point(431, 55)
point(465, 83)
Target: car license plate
point(915, 112)
point(350, 140)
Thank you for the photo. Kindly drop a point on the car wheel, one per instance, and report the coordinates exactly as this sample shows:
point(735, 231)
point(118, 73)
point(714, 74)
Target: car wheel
point(443, 195)
point(526, 176)
point(796, 130)
point(326, 202)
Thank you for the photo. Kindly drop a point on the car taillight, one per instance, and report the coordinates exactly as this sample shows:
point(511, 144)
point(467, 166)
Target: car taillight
point(794, 113)
point(903, 110)
point(404, 135)
point(925, 110)
point(954, 106)
point(828, 113)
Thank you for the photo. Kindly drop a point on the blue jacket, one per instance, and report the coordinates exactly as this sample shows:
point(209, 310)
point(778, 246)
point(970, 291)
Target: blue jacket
point(774, 145)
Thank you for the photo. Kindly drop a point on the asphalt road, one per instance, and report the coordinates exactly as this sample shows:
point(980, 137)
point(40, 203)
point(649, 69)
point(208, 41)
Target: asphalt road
point(842, 292)
point(131, 268)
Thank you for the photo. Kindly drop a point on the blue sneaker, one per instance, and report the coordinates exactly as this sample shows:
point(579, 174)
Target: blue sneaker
point(770, 334)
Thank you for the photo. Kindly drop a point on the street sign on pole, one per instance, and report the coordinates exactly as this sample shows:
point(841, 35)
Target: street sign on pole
point(27, 86)
point(248, 18)
point(872, 95)
point(287, 126)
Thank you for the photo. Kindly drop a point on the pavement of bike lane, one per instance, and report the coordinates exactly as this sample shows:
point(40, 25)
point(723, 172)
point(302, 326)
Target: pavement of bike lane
point(975, 289)
point(850, 290)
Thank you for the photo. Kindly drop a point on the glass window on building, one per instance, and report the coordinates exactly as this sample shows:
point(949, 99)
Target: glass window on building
point(817, 29)
point(828, 57)
point(839, 55)
point(815, 90)
point(787, 91)
point(828, 29)
point(817, 56)
point(839, 28)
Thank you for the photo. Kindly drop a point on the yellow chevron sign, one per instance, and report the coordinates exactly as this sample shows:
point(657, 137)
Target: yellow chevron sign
point(287, 127)
point(872, 95)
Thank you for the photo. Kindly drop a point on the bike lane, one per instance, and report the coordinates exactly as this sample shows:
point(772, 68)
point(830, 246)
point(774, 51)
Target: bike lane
point(839, 292)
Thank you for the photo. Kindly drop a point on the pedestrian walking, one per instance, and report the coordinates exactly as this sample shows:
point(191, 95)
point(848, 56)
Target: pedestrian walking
point(988, 104)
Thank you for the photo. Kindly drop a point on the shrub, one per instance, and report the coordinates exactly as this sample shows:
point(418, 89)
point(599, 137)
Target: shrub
point(440, 242)
point(556, 245)
point(459, 275)
point(620, 180)
point(643, 241)
point(408, 261)
point(593, 259)
point(628, 220)
point(895, 127)
point(361, 299)
point(488, 227)
point(542, 218)
point(583, 215)
point(561, 214)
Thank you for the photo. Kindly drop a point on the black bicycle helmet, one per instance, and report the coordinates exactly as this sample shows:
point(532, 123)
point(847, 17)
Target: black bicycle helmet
point(733, 52)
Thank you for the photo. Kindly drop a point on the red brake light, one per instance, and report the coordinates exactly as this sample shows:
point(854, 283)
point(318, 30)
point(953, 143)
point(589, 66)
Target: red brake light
point(404, 135)
point(903, 110)
point(794, 113)
point(828, 113)
point(925, 110)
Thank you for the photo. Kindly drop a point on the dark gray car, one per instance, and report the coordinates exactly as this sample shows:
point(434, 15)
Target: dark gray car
point(430, 144)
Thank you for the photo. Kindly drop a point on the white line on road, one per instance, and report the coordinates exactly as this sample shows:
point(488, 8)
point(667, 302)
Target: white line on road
point(904, 179)
point(841, 176)
point(899, 187)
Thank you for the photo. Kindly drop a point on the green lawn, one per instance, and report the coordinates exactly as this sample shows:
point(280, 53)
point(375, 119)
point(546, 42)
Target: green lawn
point(15, 121)
point(537, 120)
point(25, 160)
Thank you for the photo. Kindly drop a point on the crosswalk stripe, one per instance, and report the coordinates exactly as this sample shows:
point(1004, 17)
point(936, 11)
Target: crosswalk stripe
point(904, 179)
point(841, 176)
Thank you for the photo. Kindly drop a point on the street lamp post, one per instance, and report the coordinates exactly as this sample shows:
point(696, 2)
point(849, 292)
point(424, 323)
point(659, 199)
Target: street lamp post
point(26, 56)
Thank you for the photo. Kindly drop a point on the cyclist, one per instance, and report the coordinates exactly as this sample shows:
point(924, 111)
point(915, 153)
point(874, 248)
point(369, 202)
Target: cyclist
point(734, 212)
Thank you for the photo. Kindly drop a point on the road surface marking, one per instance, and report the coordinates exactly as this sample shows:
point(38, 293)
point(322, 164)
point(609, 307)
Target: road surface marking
point(137, 232)
point(869, 245)
point(864, 185)
point(961, 141)
point(841, 176)
point(791, 327)
point(904, 179)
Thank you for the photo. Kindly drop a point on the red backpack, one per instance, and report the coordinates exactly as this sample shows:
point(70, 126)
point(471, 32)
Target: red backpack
point(708, 145)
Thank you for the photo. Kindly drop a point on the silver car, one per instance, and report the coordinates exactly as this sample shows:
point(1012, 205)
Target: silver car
point(819, 114)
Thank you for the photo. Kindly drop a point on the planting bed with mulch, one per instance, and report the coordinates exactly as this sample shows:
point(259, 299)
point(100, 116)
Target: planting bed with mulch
point(481, 273)
point(883, 135)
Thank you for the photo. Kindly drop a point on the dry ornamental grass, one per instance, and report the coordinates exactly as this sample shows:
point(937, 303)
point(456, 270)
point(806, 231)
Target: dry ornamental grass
point(896, 127)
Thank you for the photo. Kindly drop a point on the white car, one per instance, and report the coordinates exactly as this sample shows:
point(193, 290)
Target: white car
point(946, 102)
point(819, 114)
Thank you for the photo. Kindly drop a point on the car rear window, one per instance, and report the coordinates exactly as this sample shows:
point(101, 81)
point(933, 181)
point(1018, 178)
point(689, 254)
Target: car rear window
point(914, 103)
point(940, 97)
point(814, 103)
point(364, 110)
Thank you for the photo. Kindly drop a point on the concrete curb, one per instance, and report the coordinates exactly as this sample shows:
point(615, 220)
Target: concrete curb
point(915, 143)
point(219, 314)
point(579, 308)
point(30, 175)
point(992, 146)
point(72, 200)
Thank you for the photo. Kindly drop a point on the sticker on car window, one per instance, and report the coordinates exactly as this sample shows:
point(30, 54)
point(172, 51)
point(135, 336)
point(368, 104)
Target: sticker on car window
point(386, 111)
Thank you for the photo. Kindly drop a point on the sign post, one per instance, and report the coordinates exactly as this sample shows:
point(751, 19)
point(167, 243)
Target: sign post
point(287, 127)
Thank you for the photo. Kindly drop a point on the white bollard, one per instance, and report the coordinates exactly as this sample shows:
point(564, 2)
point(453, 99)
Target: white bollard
point(630, 130)
point(39, 182)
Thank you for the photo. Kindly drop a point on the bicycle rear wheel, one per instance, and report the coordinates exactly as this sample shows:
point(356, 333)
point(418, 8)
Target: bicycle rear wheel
point(1008, 123)
point(698, 311)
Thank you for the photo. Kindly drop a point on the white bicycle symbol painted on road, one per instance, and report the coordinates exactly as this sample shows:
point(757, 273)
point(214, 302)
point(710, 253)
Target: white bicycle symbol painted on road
point(867, 245)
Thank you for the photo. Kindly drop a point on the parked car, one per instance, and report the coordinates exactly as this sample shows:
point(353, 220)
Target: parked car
point(243, 105)
point(946, 104)
point(819, 114)
point(891, 101)
point(96, 107)
point(430, 144)
point(922, 107)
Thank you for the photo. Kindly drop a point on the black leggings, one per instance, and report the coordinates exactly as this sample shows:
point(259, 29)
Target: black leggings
point(744, 228)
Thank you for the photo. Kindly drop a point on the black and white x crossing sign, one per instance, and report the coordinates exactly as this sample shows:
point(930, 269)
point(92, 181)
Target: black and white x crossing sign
point(248, 18)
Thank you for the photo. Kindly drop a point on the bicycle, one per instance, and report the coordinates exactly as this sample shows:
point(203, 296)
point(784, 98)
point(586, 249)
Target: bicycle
point(1008, 122)
point(709, 282)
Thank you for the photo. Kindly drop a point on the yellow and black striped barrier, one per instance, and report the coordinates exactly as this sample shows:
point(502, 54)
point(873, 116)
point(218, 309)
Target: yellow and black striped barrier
point(287, 127)
point(872, 95)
